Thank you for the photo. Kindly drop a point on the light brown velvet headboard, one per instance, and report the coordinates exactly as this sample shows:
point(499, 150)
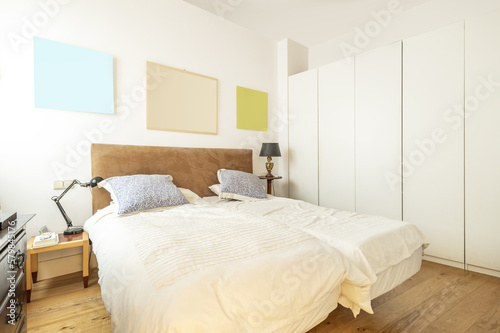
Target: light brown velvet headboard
point(192, 168)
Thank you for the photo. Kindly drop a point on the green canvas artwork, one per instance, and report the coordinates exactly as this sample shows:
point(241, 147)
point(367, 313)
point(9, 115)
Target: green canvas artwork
point(251, 109)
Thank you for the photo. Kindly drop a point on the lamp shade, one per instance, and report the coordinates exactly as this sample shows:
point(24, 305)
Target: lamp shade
point(270, 149)
point(93, 182)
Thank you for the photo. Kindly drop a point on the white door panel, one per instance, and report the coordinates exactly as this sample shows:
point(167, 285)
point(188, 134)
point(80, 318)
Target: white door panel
point(378, 131)
point(433, 139)
point(336, 135)
point(482, 155)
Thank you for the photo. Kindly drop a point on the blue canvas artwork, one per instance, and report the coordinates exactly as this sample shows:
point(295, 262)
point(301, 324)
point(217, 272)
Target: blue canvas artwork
point(72, 78)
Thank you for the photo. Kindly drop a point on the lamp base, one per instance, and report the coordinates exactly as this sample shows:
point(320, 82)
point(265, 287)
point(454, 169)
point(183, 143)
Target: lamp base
point(73, 230)
point(269, 167)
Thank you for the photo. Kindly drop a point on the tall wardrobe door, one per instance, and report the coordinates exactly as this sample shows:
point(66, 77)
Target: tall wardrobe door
point(378, 131)
point(303, 136)
point(336, 135)
point(433, 139)
point(482, 140)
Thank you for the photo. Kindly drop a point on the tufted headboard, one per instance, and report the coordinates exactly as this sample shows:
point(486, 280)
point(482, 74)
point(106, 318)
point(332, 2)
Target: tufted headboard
point(192, 168)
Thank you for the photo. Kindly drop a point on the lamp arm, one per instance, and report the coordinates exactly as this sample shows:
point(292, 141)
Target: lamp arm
point(66, 217)
point(58, 198)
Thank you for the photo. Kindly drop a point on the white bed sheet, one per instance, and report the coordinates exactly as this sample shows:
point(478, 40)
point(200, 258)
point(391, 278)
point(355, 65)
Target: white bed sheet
point(397, 274)
point(199, 268)
point(372, 243)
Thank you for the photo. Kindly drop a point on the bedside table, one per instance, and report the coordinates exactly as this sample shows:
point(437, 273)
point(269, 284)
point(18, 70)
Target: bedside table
point(65, 242)
point(270, 182)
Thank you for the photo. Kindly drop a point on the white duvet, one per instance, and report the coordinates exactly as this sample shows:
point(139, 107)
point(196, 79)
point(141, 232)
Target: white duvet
point(372, 243)
point(203, 268)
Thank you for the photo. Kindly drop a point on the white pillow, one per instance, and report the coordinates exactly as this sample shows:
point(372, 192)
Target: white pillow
point(215, 188)
point(190, 195)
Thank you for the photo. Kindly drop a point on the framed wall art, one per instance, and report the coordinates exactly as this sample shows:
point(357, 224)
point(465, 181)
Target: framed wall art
point(181, 101)
point(74, 78)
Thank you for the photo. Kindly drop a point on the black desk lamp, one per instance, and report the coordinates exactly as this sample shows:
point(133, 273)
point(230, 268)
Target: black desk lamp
point(270, 149)
point(72, 230)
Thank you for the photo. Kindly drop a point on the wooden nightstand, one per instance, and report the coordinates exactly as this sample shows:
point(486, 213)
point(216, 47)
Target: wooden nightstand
point(270, 182)
point(65, 242)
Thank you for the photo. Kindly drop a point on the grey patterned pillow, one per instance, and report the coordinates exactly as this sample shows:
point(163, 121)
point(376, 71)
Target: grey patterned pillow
point(141, 192)
point(240, 185)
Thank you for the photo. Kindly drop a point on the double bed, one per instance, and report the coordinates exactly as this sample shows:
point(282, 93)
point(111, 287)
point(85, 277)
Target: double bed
point(218, 265)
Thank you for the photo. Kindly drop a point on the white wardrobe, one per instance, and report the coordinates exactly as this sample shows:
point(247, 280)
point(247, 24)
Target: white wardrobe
point(409, 131)
point(433, 139)
point(482, 141)
point(353, 118)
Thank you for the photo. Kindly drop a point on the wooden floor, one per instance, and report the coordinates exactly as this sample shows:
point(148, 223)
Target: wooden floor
point(63, 305)
point(437, 299)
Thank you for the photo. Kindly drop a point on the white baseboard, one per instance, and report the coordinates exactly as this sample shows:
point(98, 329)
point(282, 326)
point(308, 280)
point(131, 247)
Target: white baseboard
point(460, 265)
point(444, 261)
point(482, 270)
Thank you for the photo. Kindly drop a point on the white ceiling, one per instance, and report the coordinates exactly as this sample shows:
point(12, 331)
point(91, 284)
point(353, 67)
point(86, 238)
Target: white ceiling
point(308, 22)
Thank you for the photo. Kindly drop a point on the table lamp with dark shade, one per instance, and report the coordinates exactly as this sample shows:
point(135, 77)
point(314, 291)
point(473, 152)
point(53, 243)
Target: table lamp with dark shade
point(269, 150)
point(73, 230)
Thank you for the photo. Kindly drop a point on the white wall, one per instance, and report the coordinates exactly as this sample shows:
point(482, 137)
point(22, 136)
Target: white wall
point(172, 33)
point(395, 22)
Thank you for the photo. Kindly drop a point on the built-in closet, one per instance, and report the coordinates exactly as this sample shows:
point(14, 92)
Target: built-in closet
point(409, 131)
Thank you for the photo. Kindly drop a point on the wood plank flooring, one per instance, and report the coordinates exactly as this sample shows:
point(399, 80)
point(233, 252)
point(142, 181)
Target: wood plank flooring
point(437, 299)
point(62, 304)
